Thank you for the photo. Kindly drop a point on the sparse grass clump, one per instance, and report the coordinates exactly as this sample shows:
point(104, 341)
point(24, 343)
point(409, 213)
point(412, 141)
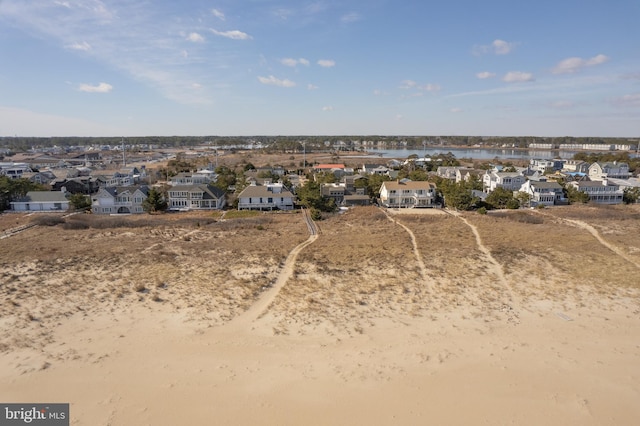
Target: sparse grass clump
point(48, 220)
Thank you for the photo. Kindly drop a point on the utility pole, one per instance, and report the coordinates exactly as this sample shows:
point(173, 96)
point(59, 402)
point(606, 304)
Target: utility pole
point(304, 154)
point(124, 159)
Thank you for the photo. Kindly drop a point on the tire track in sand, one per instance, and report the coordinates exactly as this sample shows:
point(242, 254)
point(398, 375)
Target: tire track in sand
point(594, 232)
point(494, 265)
point(254, 312)
point(416, 251)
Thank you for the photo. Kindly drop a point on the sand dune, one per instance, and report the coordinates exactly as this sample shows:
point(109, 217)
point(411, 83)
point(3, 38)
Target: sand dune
point(423, 319)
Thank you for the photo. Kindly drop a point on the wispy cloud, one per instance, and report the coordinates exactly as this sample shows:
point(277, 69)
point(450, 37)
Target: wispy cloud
point(291, 62)
point(84, 46)
point(273, 81)
point(134, 38)
point(218, 14)
point(312, 87)
point(233, 34)
point(575, 64)
point(497, 47)
point(456, 110)
point(100, 88)
point(195, 37)
point(485, 74)
point(411, 84)
point(517, 77)
point(327, 108)
point(327, 63)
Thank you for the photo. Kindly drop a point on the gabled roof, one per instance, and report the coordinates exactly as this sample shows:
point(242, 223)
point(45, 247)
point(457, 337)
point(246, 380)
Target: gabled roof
point(114, 191)
point(210, 191)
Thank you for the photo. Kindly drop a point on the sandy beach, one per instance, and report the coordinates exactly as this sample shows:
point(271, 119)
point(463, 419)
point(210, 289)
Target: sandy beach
point(382, 318)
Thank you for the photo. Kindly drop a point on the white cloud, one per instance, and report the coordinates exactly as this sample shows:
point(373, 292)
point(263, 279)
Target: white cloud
point(100, 88)
point(377, 92)
point(408, 84)
point(501, 47)
point(456, 110)
point(626, 101)
point(79, 46)
point(327, 63)
point(233, 34)
point(290, 62)
point(497, 47)
point(575, 64)
point(196, 86)
point(517, 77)
point(399, 117)
point(312, 87)
point(218, 14)
point(485, 74)
point(431, 87)
point(327, 108)
point(273, 81)
point(195, 37)
point(350, 17)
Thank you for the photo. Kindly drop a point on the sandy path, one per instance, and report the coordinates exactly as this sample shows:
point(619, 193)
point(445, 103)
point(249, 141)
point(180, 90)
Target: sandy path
point(494, 266)
point(268, 296)
point(416, 251)
point(593, 231)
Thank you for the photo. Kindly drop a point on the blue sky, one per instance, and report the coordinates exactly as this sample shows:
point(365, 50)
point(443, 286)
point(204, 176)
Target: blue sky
point(328, 67)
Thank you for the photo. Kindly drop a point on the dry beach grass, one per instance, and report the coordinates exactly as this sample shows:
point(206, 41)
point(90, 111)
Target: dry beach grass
point(396, 317)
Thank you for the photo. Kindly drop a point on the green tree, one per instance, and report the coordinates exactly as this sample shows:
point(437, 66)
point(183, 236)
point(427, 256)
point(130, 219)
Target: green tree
point(79, 202)
point(631, 195)
point(12, 189)
point(574, 196)
point(155, 202)
point(499, 198)
point(310, 196)
point(523, 198)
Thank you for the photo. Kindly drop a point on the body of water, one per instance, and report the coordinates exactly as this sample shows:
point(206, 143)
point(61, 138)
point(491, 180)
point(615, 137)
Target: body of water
point(481, 153)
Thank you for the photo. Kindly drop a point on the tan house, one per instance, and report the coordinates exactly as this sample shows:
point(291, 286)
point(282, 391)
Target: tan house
point(408, 193)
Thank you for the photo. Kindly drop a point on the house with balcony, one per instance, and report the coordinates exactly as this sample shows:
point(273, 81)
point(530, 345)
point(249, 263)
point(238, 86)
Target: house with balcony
point(197, 178)
point(272, 196)
point(600, 191)
point(408, 194)
point(511, 181)
point(544, 193)
point(575, 166)
point(119, 200)
point(195, 197)
point(602, 171)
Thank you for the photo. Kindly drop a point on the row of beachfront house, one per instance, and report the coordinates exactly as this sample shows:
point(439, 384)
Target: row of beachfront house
point(124, 191)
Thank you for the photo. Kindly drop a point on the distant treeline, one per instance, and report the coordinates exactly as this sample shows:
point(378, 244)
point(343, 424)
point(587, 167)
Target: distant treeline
point(346, 142)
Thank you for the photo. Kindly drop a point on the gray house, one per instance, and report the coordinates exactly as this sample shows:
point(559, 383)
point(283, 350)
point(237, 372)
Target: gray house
point(41, 201)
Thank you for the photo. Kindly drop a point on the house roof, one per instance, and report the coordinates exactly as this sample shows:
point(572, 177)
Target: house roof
point(545, 185)
point(131, 189)
point(409, 184)
point(210, 190)
point(263, 191)
point(329, 166)
point(45, 197)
